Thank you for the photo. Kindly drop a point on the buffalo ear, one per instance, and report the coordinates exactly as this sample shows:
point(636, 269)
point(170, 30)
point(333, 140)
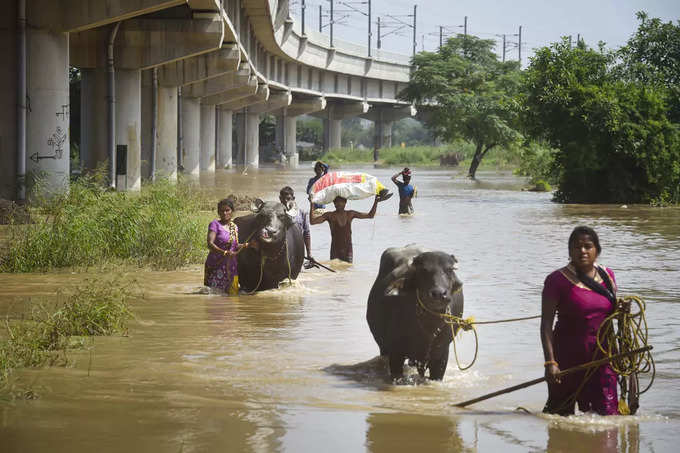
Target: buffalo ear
point(291, 209)
point(394, 288)
point(256, 206)
point(455, 262)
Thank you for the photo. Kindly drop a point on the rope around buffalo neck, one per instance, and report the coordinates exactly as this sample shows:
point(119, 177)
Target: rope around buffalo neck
point(454, 321)
point(262, 261)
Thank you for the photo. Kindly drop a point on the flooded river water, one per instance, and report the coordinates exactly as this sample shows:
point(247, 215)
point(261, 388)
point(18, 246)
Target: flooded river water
point(294, 369)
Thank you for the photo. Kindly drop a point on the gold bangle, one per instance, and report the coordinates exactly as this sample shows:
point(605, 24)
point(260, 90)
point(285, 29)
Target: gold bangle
point(551, 362)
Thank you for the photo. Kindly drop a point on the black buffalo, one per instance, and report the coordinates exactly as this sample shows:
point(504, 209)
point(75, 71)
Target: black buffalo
point(280, 251)
point(402, 328)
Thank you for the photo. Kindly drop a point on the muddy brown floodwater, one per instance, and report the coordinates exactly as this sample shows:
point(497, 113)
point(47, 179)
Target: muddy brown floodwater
point(294, 369)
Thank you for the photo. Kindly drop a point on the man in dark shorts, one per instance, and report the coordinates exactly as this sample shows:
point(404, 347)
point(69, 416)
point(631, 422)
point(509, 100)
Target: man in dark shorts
point(406, 191)
point(286, 195)
point(340, 223)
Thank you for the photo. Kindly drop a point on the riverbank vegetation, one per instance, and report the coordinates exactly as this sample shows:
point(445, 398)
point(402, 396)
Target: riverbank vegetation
point(603, 125)
point(50, 327)
point(163, 226)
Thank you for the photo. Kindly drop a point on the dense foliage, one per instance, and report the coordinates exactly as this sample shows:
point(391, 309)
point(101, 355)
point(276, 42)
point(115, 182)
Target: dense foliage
point(464, 92)
point(611, 116)
point(161, 226)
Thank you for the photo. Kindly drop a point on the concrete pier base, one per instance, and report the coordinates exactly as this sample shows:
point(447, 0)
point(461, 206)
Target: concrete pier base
point(224, 138)
point(191, 123)
point(252, 140)
point(332, 133)
point(383, 134)
point(128, 129)
point(207, 140)
point(47, 118)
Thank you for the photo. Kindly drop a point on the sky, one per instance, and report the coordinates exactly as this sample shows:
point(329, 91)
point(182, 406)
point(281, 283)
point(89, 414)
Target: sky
point(542, 21)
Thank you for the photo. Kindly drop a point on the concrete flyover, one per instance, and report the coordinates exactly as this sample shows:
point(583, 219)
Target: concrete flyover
point(165, 83)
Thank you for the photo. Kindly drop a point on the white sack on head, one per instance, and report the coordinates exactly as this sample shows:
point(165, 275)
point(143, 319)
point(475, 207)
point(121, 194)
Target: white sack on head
point(353, 186)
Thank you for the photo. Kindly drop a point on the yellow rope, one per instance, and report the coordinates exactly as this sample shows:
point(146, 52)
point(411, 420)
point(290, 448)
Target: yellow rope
point(630, 335)
point(454, 321)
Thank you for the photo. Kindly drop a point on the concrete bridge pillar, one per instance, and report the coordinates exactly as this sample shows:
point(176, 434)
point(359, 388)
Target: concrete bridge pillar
point(128, 129)
point(383, 133)
point(166, 154)
point(47, 115)
point(191, 123)
point(252, 139)
point(224, 138)
point(207, 140)
point(290, 140)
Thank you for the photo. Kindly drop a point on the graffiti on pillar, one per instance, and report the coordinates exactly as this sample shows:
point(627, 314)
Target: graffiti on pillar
point(64, 112)
point(56, 142)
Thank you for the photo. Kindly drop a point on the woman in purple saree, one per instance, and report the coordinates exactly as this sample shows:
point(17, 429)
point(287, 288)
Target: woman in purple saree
point(221, 270)
point(580, 312)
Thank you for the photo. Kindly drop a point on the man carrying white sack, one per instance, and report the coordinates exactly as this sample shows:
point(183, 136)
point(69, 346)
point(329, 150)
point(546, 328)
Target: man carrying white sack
point(342, 186)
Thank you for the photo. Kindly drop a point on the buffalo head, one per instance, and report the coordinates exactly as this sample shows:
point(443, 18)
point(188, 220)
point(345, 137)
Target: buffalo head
point(431, 276)
point(272, 220)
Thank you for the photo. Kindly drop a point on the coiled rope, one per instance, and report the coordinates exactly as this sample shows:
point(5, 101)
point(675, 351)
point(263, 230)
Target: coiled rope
point(630, 334)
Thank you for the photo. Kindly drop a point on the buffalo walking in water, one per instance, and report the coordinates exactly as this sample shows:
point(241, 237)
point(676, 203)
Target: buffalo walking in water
point(279, 253)
point(414, 291)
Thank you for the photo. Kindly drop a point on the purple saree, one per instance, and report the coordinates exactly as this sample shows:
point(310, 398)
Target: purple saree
point(221, 271)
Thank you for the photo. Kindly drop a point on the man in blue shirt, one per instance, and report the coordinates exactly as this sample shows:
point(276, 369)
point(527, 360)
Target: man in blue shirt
point(406, 191)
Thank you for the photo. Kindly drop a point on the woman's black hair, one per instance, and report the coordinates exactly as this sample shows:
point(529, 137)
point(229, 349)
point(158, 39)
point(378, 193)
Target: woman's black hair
point(225, 202)
point(585, 231)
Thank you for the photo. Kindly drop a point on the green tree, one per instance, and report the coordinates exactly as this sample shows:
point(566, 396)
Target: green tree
point(464, 91)
point(615, 141)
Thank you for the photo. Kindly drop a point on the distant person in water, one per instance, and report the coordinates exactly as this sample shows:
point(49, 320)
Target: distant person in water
point(320, 169)
point(406, 191)
point(286, 195)
point(340, 223)
point(221, 270)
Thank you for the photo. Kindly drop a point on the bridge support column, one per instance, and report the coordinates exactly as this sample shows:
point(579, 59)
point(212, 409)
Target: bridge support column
point(333, 134)
point(47, 115)
point(166, 154)
point(207, 140)
point(224, 138)
point(128, 129)
point(383, 134)
point(191, 123)
point(290, 134)
point(252, 140)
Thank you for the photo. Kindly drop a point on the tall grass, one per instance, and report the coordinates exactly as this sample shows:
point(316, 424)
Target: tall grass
point(96, 307)
point(161, 226)
point(414, 155)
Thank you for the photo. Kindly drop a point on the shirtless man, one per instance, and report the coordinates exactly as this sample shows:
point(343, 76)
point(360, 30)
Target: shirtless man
point(340, 223)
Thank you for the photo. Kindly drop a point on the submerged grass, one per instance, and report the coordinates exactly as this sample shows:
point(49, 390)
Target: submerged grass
point(97, 307)
point(161, 226)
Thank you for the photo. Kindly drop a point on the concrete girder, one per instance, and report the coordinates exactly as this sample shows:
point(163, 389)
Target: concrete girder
point(235, 93)
point(145, 43)
point(261, 95)
point(204, 5)
point(305, 106)
point(200, 67)
point(275, 102)
point(217, 85)
point(337, 111)
point(390, 113)
point(79, 15)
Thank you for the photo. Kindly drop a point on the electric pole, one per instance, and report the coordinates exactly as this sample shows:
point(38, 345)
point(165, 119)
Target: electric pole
point(415, 39)
point(519, 46)
point(369, 29)
point(441, 36)
point(320, 19)
point(503, 47)
point(302, 8)
point(331, 22)
point(379, 43)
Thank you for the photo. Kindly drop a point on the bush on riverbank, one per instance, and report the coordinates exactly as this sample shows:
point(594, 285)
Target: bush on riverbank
point(161, 226)
point(42, 338)
point(425, 156)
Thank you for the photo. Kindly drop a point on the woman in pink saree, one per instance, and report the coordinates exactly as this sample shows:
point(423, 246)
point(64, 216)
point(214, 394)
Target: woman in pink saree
point(582, 295)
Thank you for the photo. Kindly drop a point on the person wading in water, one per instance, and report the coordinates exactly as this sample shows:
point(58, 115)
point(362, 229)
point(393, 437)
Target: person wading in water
point(340, 223)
